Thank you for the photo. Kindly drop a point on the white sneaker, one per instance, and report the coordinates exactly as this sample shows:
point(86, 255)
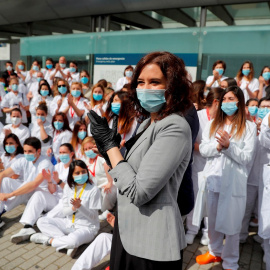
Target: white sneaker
point(190, 238)
point(205, 240)
point(40, 238)
point(23, 234)
point(71, 252)
point(258, 239)
point(103, 216)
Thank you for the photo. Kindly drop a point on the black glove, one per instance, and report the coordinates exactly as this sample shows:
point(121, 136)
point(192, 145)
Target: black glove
point(105, 137)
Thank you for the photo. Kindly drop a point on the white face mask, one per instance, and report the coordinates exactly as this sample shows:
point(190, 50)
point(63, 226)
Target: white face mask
point(16, 120)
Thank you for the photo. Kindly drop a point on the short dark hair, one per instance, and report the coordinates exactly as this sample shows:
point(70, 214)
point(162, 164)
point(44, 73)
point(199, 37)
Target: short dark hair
point(128, 67)
point(219, 62)
point(267, 98)
point(16, 110)
point(19, 149)
point(252, 99)
point(42, 106)
point(231, 82)
point(34, 142)
point(73, 164)
point(70, 148)
point(9, 62)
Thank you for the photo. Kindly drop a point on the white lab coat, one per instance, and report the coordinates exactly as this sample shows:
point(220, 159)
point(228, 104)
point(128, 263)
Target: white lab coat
point(58, 139)
point(215, 84)
point(232, 196)
point(120, 83)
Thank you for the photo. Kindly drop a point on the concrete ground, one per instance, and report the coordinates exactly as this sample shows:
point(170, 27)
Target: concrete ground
point(30, 256)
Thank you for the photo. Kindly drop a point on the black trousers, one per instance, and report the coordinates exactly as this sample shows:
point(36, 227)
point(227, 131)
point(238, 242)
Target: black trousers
point(121, 260)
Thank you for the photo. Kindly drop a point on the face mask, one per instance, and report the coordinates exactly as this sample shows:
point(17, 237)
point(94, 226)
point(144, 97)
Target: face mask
point(36, 68)
point(253, 110)
point(97, 97)
point(14, 87)
point(266, 75)
point(16, 120)
point(229, 108)
point(62, 90)
point(219, 70)
point(72, 69)
point(9, 68)
point(205, 93)
point(62, 65)
point(39, 79)
point(90, 154)
point(245, 71)
point(21, 67)
point(129, 73)
point(58, 125)
point(49, 66)
point(262, 112)
point(151, 100)
point(44, 93)
point(10, 148)
point(42, 118)
point(2, 83)
point(81, 134)
point(76, 93)
point(116, 108)
point(65, 158)
point(29, 157)
point(81, 179)
point(84, 80)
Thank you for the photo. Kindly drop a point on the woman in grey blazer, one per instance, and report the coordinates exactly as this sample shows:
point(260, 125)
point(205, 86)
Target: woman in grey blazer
point(148, 231)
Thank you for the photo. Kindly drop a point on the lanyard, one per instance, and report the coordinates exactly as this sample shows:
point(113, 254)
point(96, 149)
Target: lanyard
point(208, 114)
point(56, 136)
point(75, 194)
point(94, 170)
point(71, 109)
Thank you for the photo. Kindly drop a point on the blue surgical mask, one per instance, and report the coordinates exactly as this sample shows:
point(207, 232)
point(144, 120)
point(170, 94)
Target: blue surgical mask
point(49, 66)
point(58, 125)
point(62, 65)
point(84, 80)
point(21, 67)
point(14, 87)
point(36, 68)
point(2, 83)
point(29, 157)
point(81, 179)
point(116, 108)
point(44, 93)
point(81, 134)
point(10, 148)
point(262, 112)
point(62, 90)
point(152, 100)
point(253, 110)
point(76, 93)
point(90, 154)
point(219, 70)
point(246, 72)
point(229, 108)
point(266, 75)
point(97, 97)
point(39, 79)
point(65, 158)
point(41, 117)
point(129, 73)
point(72, 69)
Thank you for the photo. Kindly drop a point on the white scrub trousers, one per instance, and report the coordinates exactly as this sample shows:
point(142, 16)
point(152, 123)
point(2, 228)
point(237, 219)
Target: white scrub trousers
point(230, 251)
point(64, 237)
point(95, 252)
point(40, 201)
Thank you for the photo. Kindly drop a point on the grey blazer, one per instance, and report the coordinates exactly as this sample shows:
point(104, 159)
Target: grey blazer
point(149, 219)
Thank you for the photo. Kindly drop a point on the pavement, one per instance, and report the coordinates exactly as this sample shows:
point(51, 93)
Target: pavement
point(30, 256)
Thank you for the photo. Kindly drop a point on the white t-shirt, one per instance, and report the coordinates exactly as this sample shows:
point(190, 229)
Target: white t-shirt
point(63, 175)
point(120, 83)
point(35, 132)
point(30, 170)
point(253, 86)
point(78, 152)
point(7, 161)
point(75, 78)
point(11, 100)
point(215, 84)
point(21, 131)
point(47, 76)
point(2, 95)
point(59, 75)
point(58, 139)
point(33, 88)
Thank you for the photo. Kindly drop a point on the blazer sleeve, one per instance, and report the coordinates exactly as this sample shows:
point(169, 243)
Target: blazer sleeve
point(208, 146)
point(171, 146)
point(243, 155)
point(264, 136)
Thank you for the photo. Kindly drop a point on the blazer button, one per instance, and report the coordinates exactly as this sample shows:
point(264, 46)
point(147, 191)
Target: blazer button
point(115, 179)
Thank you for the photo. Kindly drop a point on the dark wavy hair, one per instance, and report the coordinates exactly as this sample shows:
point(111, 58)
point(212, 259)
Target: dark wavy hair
point(178, 86)
point(66, 122)
point(19, 149)
point(73, 164)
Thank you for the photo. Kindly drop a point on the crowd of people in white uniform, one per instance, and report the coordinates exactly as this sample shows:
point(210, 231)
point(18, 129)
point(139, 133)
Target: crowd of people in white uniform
point(50, 162)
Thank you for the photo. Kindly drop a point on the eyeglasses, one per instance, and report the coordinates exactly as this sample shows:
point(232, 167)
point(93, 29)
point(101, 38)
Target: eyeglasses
point(61, 85)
